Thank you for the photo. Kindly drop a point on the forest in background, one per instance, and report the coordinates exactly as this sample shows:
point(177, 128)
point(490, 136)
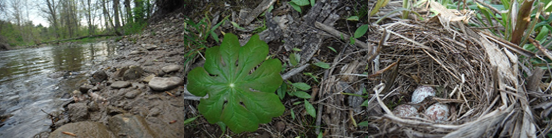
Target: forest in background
point(71, 19)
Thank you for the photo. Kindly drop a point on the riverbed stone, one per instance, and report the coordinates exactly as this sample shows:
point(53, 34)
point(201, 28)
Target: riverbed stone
point(132, 94)
point(120, 84)
point(154, 111)
point(170, 68)
point(135, 52)
point(112, 110)
point(85, 87)
point(120, 71)
point(134, 126)
point(98, 76)
point(83, 129)
point(133, 72)
point(149, 46)
point(78, 112)
point(161, 83)
point(148, 78)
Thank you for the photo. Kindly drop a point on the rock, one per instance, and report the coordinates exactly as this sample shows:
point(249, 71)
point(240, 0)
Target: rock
point(132, 94)
point(93, 106)
point(112, 110)
point(148, 78)
point(148, 63)
point(138, 85)
point(149, 46)
point(161, 84)
point(135, 52)
point(133, 126)
point(85, 87)
point(43, 134)
point(78, 112)
point(83, 129)
point(154, 111)
point(170, 68)
point(61, 122)
point(98, 77)
point(4, 46)
point(120, 84)
point(120, 72)
point(133, 72)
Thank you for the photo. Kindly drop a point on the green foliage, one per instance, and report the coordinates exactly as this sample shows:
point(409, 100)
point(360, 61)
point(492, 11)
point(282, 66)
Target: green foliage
point(322, 65)
point(297, 4)
point(379, 4)
point(189, 120)
point(310, 109)
point(240, 96)
point(298, 90)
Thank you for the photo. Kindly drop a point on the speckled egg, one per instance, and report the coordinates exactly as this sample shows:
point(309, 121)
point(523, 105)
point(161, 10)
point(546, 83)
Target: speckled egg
point(421, 93)
point(437, 112)
point(405, 110)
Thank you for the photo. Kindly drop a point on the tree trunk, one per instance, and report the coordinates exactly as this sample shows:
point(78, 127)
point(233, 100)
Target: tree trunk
point(52, 11)
point(116, 16)
point(139, 11)
point(128, 12)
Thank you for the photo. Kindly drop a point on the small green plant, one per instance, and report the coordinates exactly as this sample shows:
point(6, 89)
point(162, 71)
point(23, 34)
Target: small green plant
point(298, 90)
point(297, 4)
point(196, 35)
point(241, 92)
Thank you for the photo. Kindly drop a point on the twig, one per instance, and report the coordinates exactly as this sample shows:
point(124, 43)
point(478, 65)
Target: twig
point(294, 71)
point(320, 106)
point(339, 34)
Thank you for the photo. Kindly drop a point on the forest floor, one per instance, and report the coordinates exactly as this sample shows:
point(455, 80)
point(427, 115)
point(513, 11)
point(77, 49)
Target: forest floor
point(347, 79)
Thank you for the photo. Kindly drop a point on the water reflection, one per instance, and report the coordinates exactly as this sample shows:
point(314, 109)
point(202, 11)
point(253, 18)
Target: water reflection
point(26, 88)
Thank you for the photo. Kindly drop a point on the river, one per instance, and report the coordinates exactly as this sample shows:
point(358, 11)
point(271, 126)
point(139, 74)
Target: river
point(36, 79)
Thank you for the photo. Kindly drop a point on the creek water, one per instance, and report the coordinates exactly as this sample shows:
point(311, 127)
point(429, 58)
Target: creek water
point(38, 80)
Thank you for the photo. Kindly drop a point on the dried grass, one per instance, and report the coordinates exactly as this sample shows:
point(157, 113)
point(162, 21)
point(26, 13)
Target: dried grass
point(476, 74)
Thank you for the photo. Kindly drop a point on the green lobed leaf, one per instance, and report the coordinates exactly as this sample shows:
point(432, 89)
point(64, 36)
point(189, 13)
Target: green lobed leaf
point(312, 3)
point(301, 86)
point(302, 94)
point(322, 65)
point(239, 96)
point(310, 109)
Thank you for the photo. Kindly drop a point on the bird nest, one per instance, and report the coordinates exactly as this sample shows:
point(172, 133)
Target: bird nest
point(475, 73)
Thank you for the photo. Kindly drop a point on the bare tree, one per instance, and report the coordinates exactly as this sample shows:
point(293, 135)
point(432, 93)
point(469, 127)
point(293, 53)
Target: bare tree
point(86, 4)
point(128, 11)
point(51, 10)
point(116, 14)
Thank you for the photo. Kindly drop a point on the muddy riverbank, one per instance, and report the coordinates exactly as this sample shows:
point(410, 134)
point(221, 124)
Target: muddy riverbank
point(136, 94)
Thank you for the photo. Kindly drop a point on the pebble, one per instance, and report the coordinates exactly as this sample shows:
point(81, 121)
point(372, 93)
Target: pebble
point(132, 94)
point(120, 84)
point(148, 78)
point(78, 112)
point(170, 68)
point(161, 84)
point(98, 76)
point(149, 46)
point(133, 72)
